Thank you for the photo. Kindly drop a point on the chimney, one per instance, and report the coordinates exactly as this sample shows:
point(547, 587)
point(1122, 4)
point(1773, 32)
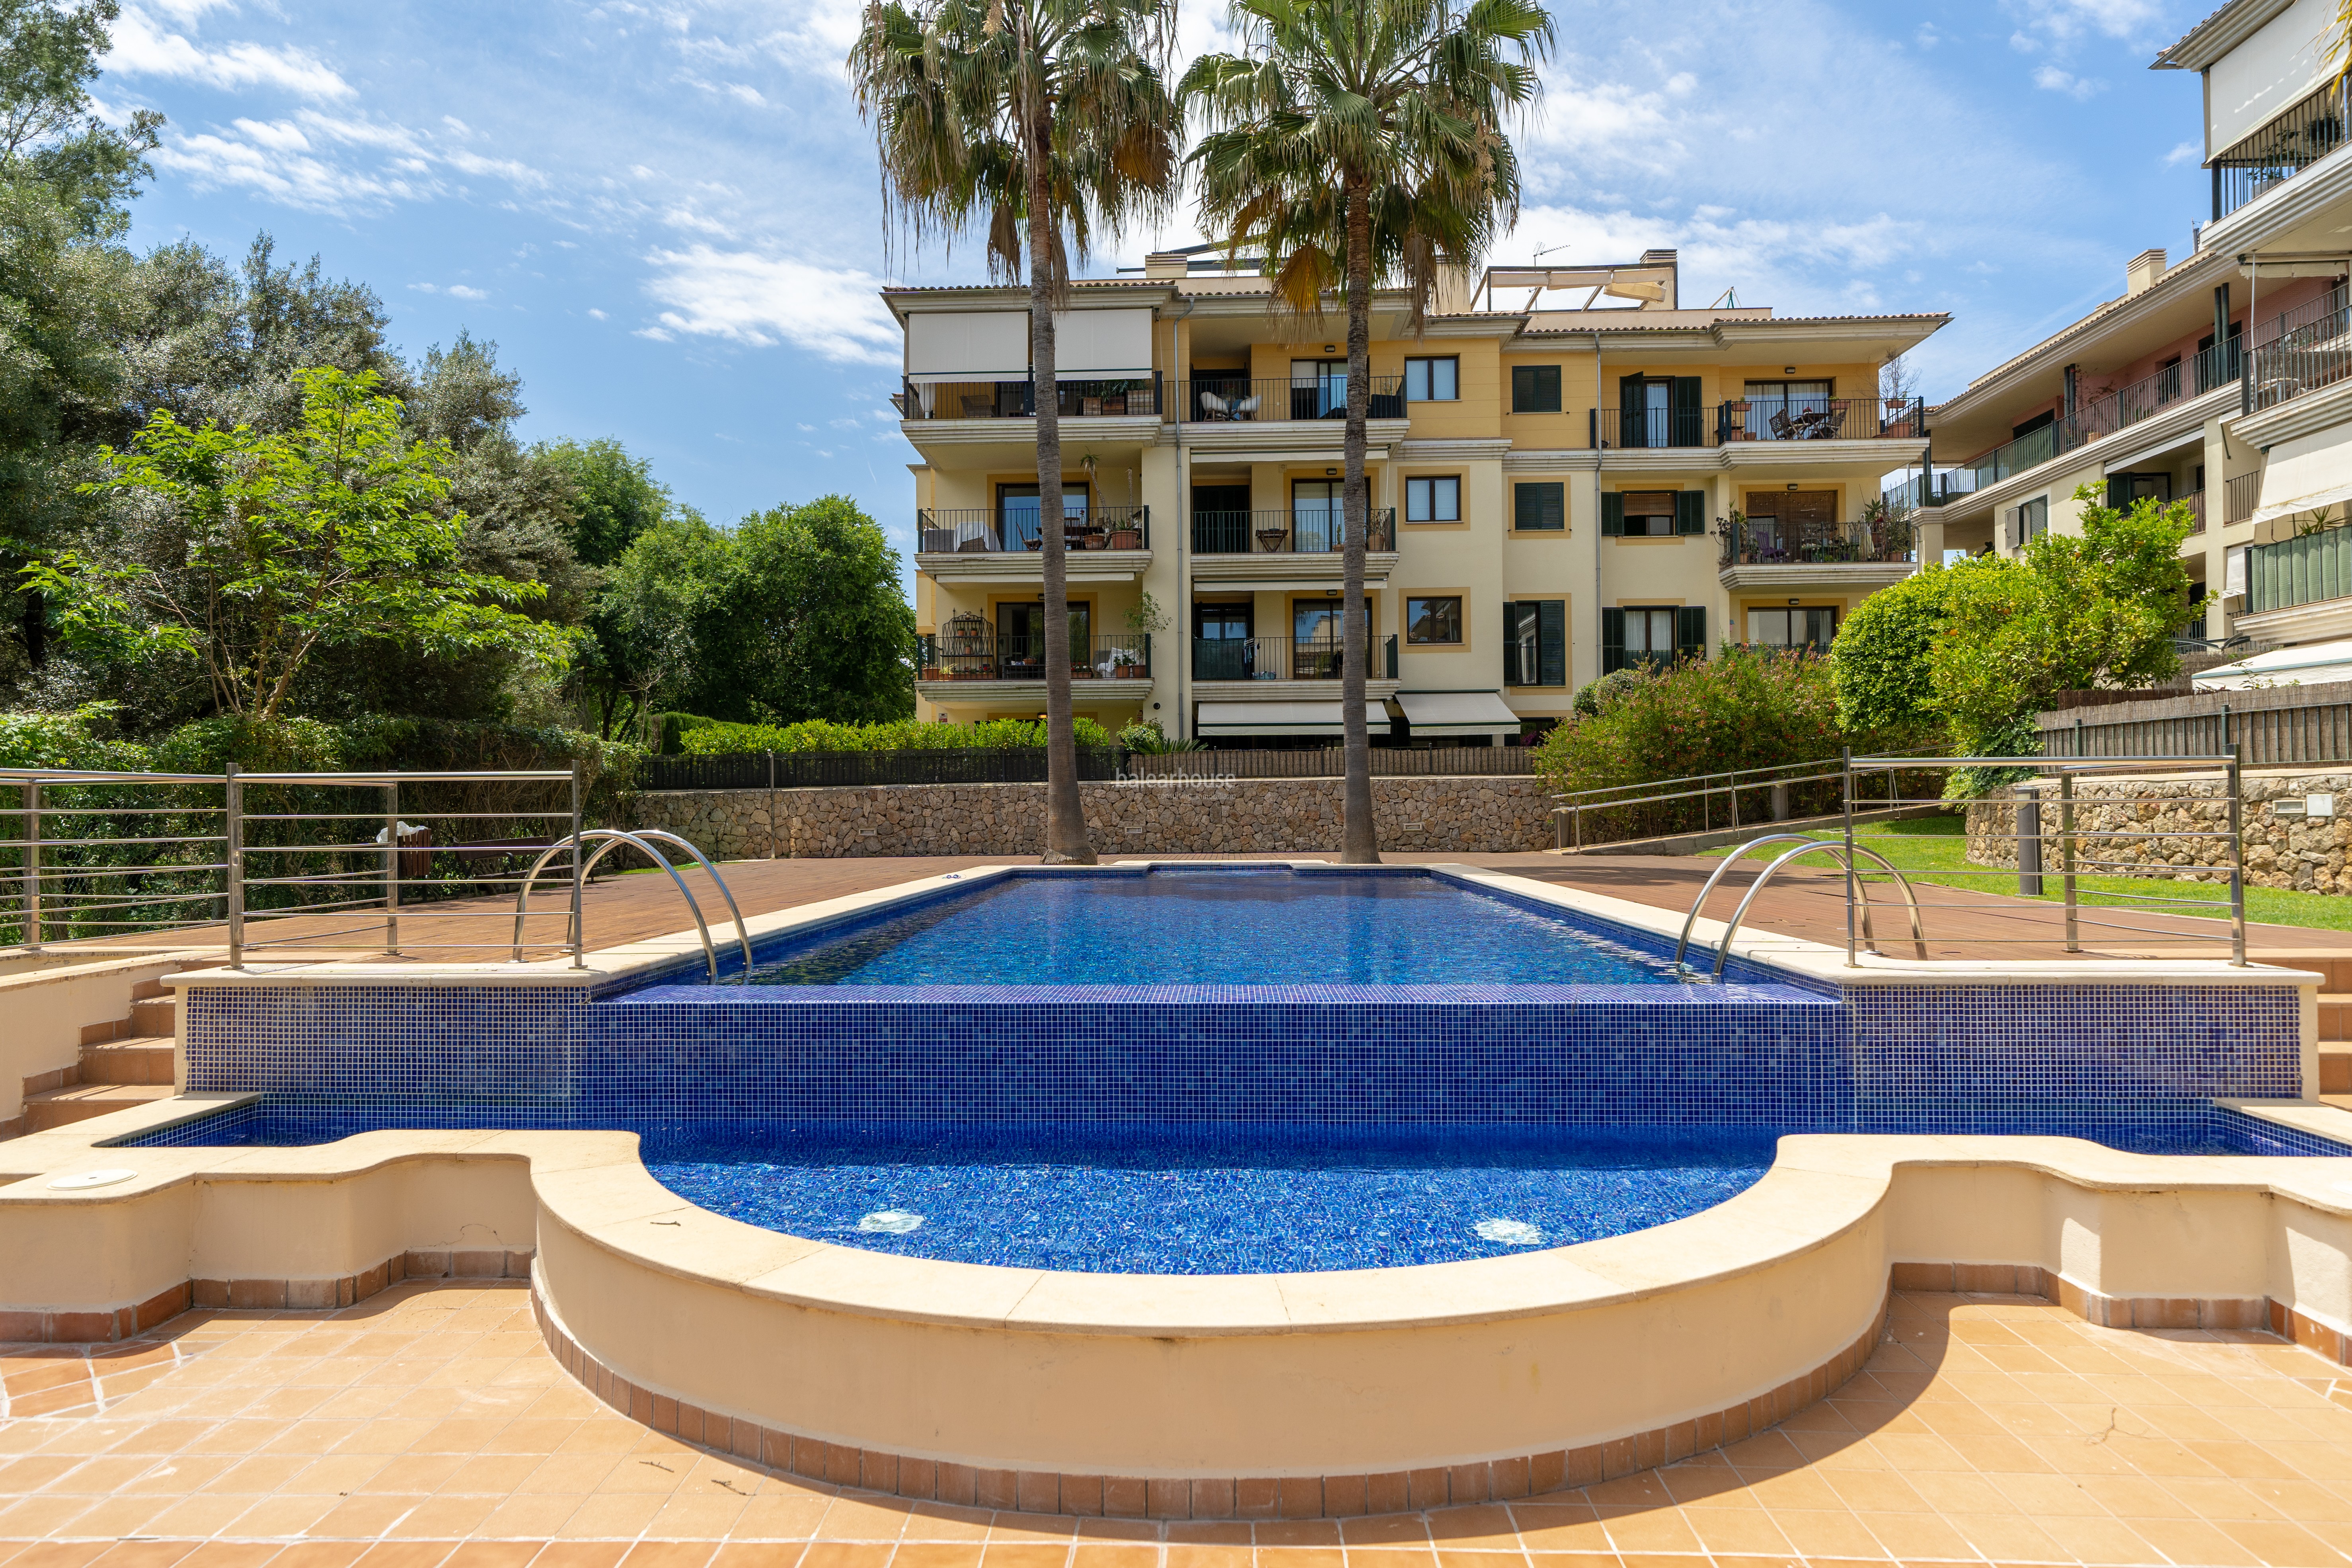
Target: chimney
point(2143, 270)
point(1176, 264)
point(1665, 259)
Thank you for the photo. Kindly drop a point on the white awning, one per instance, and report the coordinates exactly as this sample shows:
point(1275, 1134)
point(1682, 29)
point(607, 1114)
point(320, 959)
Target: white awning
point(1100, 345)
point(1457, 713)
point(2318, 501)
point(1271, 718)
point(2313, 664)
point(967, 346)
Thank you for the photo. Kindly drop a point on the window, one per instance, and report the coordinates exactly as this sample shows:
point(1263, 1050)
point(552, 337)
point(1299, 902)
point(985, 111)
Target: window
point(1658, 411)
point(1318, 515)
point(1535, 389)
point(1645, 636)
point(1795, 627)
point(1539, 508)
point(1016, 512)
point(1535, 643)
point(1636, 514)
point(1222, 648)
point(1318, 389)
point(1437, 500)
point(1433, 620)
point(2026, 523)
point(1433, 380)
point(1791, 410)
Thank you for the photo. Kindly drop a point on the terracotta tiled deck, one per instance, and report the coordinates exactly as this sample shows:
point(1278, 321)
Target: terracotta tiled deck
point(426, 1427)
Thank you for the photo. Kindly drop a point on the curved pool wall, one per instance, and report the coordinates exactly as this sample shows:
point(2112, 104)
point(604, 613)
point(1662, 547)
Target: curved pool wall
point(1796, 1044)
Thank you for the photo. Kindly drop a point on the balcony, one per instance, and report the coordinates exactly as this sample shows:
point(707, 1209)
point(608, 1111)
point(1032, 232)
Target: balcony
point(2239, 497)
point(2155, 393)
point(971, 400)
point(1295, 532)
point(1744, 421)
point(2312, 348)
point(2299, 589)
point(978, 531)
point(1230, 400)
point(1778, 554)
point(1281, 658)
point(2279, 150)
point(972, 661)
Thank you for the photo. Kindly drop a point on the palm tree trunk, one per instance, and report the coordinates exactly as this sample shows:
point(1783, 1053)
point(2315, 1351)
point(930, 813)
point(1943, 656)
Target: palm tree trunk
point(1359, 845)
point(1065, 817)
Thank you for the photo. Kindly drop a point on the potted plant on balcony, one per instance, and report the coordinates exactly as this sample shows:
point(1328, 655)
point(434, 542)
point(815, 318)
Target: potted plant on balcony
point(1127, 538)
point(1146, 618)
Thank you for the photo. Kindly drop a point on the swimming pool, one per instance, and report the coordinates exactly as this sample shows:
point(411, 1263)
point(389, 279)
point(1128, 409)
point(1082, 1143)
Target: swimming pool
point(1176, 925)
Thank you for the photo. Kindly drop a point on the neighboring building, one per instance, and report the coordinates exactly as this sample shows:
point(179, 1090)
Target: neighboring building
point(1556, 493)
point(2224, 379)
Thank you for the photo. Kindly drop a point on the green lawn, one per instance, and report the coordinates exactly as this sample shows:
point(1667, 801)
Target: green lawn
point(1931, 848)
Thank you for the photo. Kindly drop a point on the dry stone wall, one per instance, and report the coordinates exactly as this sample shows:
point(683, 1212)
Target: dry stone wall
point(1241, 817)
point(2281, 850)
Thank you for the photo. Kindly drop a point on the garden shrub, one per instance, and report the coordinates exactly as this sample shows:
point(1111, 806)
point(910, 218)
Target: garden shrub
point(892, 735)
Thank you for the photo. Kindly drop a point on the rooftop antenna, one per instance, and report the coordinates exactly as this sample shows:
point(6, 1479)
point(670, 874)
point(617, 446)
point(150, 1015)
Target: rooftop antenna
point(1537, 292)
point(1728, 296)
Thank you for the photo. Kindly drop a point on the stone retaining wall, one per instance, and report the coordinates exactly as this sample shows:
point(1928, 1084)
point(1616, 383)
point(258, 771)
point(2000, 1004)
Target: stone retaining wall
point(1241, 817)
point(2280, 851)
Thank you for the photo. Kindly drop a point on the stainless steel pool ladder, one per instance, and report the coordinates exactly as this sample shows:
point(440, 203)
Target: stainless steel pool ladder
point(640, 841)
point(1805, 846)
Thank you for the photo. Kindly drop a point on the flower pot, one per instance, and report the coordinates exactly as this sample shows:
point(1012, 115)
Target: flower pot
point(1127, 539)
point(931, 672)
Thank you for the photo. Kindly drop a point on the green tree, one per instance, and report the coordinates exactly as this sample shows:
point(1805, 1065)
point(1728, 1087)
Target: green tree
point(1035, 115)
point(326, 535)
point(650, 621)
point(2100, 608)
point(1360, 141)
point(614, 497)
point(1880, 655)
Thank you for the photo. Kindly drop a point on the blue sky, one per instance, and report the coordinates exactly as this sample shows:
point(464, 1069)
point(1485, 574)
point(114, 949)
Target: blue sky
point(666, 214)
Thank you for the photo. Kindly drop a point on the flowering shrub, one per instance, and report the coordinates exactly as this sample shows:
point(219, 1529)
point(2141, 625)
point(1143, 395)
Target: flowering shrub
point(894, 735)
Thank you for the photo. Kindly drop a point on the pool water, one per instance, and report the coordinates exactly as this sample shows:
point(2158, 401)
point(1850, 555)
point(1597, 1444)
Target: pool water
point(1216, 926)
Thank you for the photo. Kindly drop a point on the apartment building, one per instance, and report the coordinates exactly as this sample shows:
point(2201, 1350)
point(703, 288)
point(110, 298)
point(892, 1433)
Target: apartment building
point(1570, 472)
point(2223, 379)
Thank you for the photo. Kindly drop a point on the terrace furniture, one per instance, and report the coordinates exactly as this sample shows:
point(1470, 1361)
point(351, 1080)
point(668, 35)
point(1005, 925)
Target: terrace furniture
point(1269, 540)
point(980, 405)
point(977, 544)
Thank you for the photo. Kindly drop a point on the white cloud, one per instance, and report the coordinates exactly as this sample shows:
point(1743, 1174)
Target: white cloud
point(295, 161)
point(454, 291)
point(2050, 78)
point(759, 300)
point(596, 315)
point(143, 46)
point(2186, 153)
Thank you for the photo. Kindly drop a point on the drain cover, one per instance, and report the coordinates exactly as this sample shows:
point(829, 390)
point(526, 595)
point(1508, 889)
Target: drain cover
point(1509, 1232)
point(891, 1222)
point(80, 1179)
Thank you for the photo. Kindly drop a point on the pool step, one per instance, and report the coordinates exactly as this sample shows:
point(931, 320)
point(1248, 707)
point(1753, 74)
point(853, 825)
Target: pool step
point(62, 1107)
point(142, 1058)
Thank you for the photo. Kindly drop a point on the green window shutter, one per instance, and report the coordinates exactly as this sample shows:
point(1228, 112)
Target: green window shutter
point(1633, 429)
point(1690, 630)
point(1612, 641)
point(1535, 389)
point(1612, 514)
point(1551, 642)
point(1512, 673)
point(1538, 507)
point(1690, 511)
point(1687, 416)
point(2120, 491)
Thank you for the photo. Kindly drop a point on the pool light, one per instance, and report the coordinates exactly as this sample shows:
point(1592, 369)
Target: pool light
point(1509, 1232)
point(891, 1222)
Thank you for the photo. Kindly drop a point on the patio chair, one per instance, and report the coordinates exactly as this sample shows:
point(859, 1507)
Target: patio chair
point(1212, 407)
point(1243, 408)
point(979, 404)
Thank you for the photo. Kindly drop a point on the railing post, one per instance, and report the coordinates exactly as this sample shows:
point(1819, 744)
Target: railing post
point(2066, 857)
point(2237, 861)
point(32, 795)
point(232, 856)
point(579, 926)
point(1845, 793)
point(772, 805)
point(392, 868)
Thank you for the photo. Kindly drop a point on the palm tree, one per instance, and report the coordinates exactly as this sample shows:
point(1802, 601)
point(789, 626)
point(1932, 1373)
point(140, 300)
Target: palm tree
point(1027, 118)
point(1358, 141)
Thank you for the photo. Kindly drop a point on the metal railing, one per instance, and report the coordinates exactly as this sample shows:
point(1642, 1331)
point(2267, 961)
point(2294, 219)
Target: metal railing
point(1294, 532)
point(2304, 570)
point(866, 770)
point(1279, 658)
point(1803, 418)
point(2239, 497)
point(2050, 819)
point(2279, 150)
point(1609, 429)
point(1214, 400)
point(1770, 541)
point(974, 530)
point(2195, 502)
point(2305, 349)
point(2220, 365)
point(1119, 397)
point(96, 855)
point(984, 653)
point(1663, 807)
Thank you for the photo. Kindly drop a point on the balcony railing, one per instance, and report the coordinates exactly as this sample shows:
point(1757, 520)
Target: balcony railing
point(1215, 400)
point(1822, 419)
point(2108, 413)
point(1769, 541)
point(1937, 489)
point(2195, 502)
point(2304, 569)
point(976, 531)
point(2309, 347)
point(2279, 150)
point(1277, 659)
point(2239, 497)
point(1123, 398)
point(1743, 420)
point(978, 652)
point(1314, 533)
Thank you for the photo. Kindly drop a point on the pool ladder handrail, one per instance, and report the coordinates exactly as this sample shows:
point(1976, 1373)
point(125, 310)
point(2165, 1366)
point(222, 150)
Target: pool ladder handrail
point(639, 840)
point(1805, 846)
